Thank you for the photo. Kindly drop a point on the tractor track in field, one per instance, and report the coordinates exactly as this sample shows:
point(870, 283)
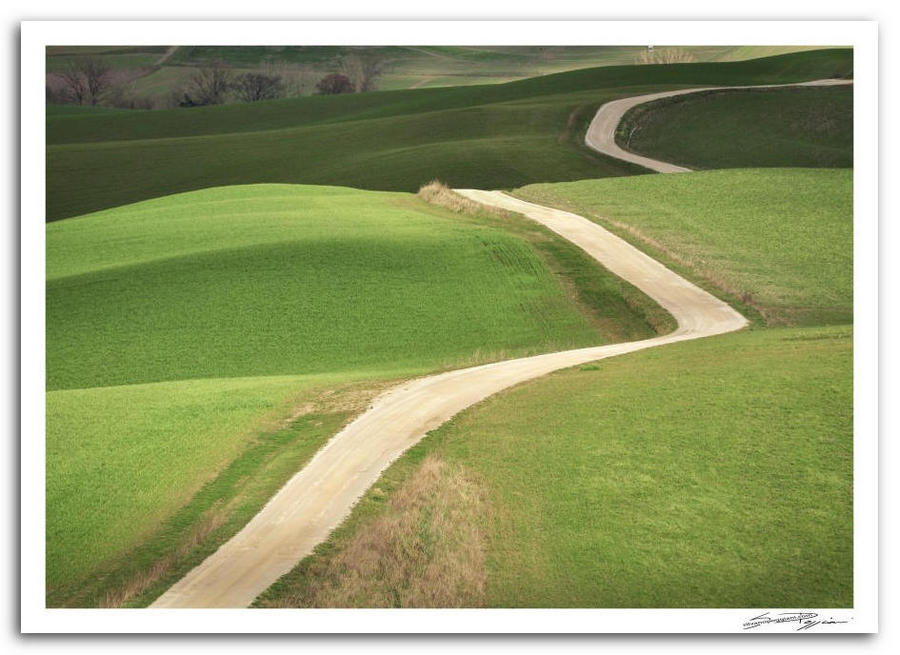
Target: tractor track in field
point(321, 495)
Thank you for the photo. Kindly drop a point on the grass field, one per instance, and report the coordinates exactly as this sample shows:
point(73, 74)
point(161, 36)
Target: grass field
point(121, 461)
point(777, 241)
point(188, 331)
point(672, 477)
point(801, 126)
point(404, 66)
point(694, 475)
point(293, 112)
point(115, 57)
point(493, 136)
point(203, 344)
point(281, 280)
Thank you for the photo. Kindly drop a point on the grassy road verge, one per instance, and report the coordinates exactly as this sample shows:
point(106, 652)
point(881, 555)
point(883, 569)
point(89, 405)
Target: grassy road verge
point(774, 242)
point(192, 340)
point(713, 473)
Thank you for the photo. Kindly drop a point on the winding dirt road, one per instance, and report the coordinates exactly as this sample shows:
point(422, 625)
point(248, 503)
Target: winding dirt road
point(318, 498)
point(601, 133)
point(321, 495)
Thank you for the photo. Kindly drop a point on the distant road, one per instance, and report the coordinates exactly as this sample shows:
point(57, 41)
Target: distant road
point(168, 53)
point(601, 133)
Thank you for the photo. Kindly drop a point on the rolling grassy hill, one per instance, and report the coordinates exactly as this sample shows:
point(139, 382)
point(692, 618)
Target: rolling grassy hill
point(292, 112)
point(404, 66)
point(139, 475)
point(492, 136)
point(114, 57)
point(429, 66)
point(800, 126)
point(203, 345)
point(665, 478)
point(279, 280)
point(204, 342)
point(774, 241)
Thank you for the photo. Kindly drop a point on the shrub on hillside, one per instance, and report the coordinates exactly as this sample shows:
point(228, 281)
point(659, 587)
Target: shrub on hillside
point(208, 86)
point(252, 87)
point(335, 83)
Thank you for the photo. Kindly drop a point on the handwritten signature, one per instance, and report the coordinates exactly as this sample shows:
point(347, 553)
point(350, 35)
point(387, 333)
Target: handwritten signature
point(804, 620)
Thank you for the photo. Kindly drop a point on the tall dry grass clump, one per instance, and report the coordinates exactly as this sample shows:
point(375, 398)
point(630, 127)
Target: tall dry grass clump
point(438, 193)
point(425, 550)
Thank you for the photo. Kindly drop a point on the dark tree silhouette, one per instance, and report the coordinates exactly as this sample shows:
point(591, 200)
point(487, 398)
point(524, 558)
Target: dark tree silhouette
point(258, 86)
point(335, 83)
point(208, 86)
point(85, 79)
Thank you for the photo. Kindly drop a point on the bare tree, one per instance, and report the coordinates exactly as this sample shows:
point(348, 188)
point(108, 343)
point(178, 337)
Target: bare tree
point(364, 68)
point(85, 79)
point(252, 87)
point(73, 81)
point(208, 86)
point(334, 83)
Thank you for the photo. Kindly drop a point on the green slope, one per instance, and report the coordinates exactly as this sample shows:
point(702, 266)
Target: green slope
point(776, 241)
point(294, 112)
point(279, 280)
point(709, 473)
point(497, 136)
point(200, 348)
point(712, 473)
point(800, 126)
point(121, 460)
point(403, 67)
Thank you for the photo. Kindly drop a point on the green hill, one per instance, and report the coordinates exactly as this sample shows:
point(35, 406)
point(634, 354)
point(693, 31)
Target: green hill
point(671, 477)
point(493, 136)
point(279, 280)
point(666, 478)
point(773, 241)
point(797, 126)
point(200, 348)
point(402, 67)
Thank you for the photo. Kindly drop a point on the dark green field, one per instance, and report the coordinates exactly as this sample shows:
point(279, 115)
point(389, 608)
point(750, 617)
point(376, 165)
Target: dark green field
point(493, 136)
point(800, 126)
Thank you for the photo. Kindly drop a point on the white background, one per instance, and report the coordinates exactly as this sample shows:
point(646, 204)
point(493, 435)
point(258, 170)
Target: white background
point(474, 10)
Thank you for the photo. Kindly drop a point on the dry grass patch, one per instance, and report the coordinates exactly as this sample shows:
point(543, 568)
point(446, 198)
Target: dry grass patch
point(211, 520)
point(426, 549)
point(438, 193)
point(665, 56)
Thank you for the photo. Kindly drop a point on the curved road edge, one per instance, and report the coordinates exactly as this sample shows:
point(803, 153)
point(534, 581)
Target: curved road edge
point(601, 133)
point(321, 495)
